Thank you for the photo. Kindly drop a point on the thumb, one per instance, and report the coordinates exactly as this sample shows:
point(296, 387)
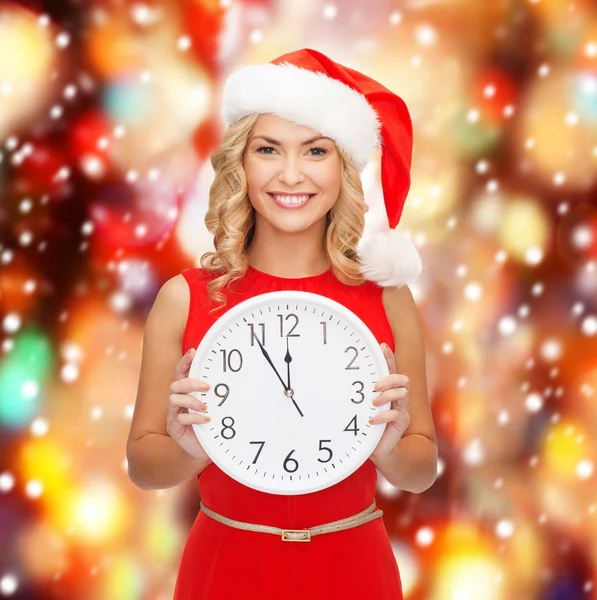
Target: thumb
point(184, 364)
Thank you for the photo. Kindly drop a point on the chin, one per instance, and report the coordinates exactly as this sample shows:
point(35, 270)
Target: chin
point(291, 228)
point(296, 224)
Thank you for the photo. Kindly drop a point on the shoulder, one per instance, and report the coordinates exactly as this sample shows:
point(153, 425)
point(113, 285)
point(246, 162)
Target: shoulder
point(171, 305)
point(176, 292)
point(401, 308)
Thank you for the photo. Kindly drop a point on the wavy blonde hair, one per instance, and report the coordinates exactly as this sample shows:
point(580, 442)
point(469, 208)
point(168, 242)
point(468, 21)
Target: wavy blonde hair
point(230, 217)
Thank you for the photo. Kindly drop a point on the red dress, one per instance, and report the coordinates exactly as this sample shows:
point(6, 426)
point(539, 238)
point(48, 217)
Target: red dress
point(220, 562)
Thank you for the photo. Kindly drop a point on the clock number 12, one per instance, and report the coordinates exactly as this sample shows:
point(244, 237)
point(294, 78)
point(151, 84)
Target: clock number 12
point(289, 334)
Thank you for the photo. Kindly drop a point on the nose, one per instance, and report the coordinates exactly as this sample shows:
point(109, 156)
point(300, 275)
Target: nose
point(291, 171)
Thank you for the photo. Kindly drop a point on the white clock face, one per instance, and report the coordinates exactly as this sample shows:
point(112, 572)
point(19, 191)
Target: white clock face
point(281, 438)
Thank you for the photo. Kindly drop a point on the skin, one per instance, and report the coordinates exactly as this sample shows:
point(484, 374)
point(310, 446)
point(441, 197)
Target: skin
point(297, 235)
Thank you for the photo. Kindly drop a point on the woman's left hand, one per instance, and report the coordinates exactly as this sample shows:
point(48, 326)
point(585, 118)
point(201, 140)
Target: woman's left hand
point(394, 389)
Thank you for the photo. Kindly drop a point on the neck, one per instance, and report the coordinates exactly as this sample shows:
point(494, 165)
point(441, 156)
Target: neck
point(300, 254)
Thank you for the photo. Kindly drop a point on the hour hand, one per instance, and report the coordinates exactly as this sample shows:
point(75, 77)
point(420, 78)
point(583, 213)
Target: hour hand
point(288, 360)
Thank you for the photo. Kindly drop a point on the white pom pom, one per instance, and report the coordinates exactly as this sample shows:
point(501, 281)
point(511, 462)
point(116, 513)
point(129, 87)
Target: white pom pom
point(389, 258)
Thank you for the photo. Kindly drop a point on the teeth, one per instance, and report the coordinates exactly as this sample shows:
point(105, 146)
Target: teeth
point(291, 199)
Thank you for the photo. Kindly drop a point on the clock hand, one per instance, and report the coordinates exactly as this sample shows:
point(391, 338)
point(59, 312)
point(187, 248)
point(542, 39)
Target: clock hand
point(288, 360)
point(290, 391)
point(269, 360)
point(287, 391)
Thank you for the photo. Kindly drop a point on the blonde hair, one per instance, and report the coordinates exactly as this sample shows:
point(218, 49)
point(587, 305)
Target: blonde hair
point(230, 217)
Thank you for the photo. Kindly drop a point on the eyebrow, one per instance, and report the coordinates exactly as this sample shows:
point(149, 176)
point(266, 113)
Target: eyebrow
point(305, 143)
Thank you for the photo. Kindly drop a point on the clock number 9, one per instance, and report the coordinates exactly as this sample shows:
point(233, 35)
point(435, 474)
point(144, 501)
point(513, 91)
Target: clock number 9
point(219, 395)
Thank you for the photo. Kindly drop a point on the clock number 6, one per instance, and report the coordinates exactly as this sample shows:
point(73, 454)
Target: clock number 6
point(289, 460)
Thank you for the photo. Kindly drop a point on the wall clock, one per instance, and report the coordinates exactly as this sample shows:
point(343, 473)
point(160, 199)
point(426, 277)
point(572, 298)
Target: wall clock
point(291, 377)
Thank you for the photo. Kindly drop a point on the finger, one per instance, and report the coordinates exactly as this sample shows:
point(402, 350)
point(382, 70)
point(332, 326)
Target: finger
point(190, 418)
point(187, 385)
point(399, 417)
point(184, 364)
point(390, 381)
point(391, 395)
point(186, 401)
point(389, 356)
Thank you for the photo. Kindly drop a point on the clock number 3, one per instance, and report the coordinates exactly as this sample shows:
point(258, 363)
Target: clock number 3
point(360, 392)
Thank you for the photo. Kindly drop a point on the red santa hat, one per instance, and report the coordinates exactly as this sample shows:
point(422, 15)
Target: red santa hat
point(360, 115)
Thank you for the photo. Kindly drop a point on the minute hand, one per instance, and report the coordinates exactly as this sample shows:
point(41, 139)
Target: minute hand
point(269, 360)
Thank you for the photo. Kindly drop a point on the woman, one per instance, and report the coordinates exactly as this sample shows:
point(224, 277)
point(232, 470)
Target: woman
point(287, 212)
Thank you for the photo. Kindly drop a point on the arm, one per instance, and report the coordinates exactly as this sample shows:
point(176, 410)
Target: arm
point(155, 460)
point(412, 464)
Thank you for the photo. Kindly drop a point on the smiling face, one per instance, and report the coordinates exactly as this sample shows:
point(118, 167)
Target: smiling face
point(293, 174)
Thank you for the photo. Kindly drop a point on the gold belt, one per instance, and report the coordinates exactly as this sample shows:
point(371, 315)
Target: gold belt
point(300, 535)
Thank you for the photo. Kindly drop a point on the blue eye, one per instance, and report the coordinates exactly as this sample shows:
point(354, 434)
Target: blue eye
point(322, 151)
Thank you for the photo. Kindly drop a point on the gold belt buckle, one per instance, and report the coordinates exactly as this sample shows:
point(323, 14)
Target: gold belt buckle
point(296, 535)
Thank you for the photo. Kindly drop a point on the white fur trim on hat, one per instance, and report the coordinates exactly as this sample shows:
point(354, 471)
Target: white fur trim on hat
point(389, 258)
point(307, 98)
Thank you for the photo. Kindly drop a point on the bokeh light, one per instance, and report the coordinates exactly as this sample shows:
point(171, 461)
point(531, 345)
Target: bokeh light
point(109, 113)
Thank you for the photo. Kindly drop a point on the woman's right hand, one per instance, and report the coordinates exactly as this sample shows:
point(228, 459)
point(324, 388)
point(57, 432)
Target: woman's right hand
point(178, 419)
